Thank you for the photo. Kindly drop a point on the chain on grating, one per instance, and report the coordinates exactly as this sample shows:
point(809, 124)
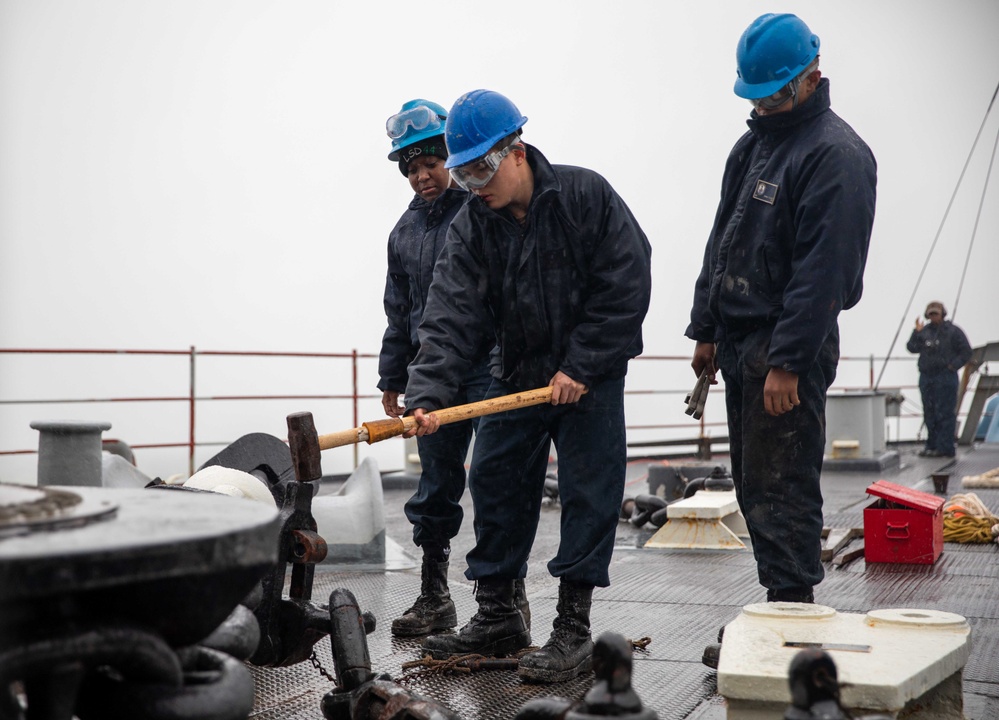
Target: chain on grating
point(319, 666)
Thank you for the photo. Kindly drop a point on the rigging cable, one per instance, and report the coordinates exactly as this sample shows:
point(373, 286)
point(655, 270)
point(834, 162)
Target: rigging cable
point(936, 238)
point(974, 230)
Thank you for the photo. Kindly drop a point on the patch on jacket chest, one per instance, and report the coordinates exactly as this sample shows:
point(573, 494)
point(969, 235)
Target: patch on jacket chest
point(765, 191)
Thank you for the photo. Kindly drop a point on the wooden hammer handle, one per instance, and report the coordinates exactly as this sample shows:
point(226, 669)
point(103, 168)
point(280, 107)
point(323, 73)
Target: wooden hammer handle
point(378, 430)
point(492, 406)
point(344, 437)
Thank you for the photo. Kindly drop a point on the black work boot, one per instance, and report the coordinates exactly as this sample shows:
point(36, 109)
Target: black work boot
point(520, 600)
point(569, 650)
point(496, 629)
point(434, 609)
point(712, 653)
point(798, 595)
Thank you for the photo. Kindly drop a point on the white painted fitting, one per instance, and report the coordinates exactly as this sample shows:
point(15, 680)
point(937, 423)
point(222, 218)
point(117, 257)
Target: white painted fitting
point(228, 481)
point(708, 520)
point(353, 521)
point(911, 653)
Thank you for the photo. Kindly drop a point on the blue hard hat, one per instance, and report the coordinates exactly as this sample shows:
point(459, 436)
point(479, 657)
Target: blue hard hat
point(479, 120)
point(417, 120)
point(771, 53)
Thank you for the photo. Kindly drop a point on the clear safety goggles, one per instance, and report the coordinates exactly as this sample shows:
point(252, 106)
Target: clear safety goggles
point(789, 91)
point(419, 118)
point(772, 102)
point(477, 174)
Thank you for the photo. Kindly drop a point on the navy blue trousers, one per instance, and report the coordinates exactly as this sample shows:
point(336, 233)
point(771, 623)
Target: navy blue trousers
point(435, 509)
point(507, 479)
point(939, 392)
point(776, 461)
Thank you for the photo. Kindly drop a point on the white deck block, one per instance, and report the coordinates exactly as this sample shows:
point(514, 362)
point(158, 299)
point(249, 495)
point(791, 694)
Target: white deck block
point(704, 505)
point(885, 659)
point(117, 472)
point(708, 520)
point(353, 520)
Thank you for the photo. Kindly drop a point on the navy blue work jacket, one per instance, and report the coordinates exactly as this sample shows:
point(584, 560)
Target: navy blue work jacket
point(790, 237)
point(942, 347)
point(413, 248)
point(567, 290)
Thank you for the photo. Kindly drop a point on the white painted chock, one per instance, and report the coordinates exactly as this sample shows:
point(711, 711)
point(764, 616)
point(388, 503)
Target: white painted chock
point(353, 520)
point(708, 520)
point(887, 660)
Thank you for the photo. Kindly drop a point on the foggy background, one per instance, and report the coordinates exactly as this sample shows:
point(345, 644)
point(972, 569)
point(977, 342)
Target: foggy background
point(213, 174)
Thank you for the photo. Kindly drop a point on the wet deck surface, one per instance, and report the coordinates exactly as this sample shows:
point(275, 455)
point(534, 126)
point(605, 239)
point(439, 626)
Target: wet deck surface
point(678, 598)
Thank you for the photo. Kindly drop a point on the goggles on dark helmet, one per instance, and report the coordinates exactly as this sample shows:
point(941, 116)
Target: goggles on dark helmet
point(478, 173)
point(419, 118)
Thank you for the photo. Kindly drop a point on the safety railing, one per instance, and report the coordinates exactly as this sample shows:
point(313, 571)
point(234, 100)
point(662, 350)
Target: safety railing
point(657, 386)
point(191, 399)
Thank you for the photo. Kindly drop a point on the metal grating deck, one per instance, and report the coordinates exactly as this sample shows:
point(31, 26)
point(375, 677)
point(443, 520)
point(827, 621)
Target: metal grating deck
point(678, 598)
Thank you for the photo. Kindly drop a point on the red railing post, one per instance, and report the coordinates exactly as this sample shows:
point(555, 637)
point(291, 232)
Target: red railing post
point(191, 403)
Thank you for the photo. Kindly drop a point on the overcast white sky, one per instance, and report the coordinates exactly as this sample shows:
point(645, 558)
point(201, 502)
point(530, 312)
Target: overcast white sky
point(213, 173)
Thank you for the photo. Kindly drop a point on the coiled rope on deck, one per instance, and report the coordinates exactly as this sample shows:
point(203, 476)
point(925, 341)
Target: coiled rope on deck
point(966, 519)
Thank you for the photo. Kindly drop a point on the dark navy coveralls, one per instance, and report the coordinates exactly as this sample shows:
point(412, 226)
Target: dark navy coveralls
point(943, 350)
point(413, 248)
point(785, 256)
point(567, 290)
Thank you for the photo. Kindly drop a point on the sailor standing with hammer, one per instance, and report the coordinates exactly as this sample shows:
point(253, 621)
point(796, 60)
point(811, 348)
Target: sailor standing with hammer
point(546, 263)
point(785, 256)
point(417, 135)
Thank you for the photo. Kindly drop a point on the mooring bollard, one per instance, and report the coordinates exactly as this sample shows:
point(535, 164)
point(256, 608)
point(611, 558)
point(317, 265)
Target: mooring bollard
point(69, 452)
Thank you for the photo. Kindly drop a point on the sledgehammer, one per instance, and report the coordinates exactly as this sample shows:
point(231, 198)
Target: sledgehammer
point(377, 430)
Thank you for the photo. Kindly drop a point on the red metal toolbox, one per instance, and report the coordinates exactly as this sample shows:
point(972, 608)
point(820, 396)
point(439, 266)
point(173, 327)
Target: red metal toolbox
point(903, 525)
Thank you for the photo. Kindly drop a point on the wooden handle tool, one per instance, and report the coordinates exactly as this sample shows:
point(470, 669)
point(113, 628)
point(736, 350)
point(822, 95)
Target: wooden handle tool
point(377, 430)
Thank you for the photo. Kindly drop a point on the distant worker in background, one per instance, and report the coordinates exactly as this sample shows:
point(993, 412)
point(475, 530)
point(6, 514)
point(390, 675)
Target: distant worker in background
point(417, 135)
point(547, 263)
point(943, 350)
point(785, 256)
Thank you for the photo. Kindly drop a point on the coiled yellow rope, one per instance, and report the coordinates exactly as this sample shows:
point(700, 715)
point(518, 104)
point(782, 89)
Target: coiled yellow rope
point(966, 519)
